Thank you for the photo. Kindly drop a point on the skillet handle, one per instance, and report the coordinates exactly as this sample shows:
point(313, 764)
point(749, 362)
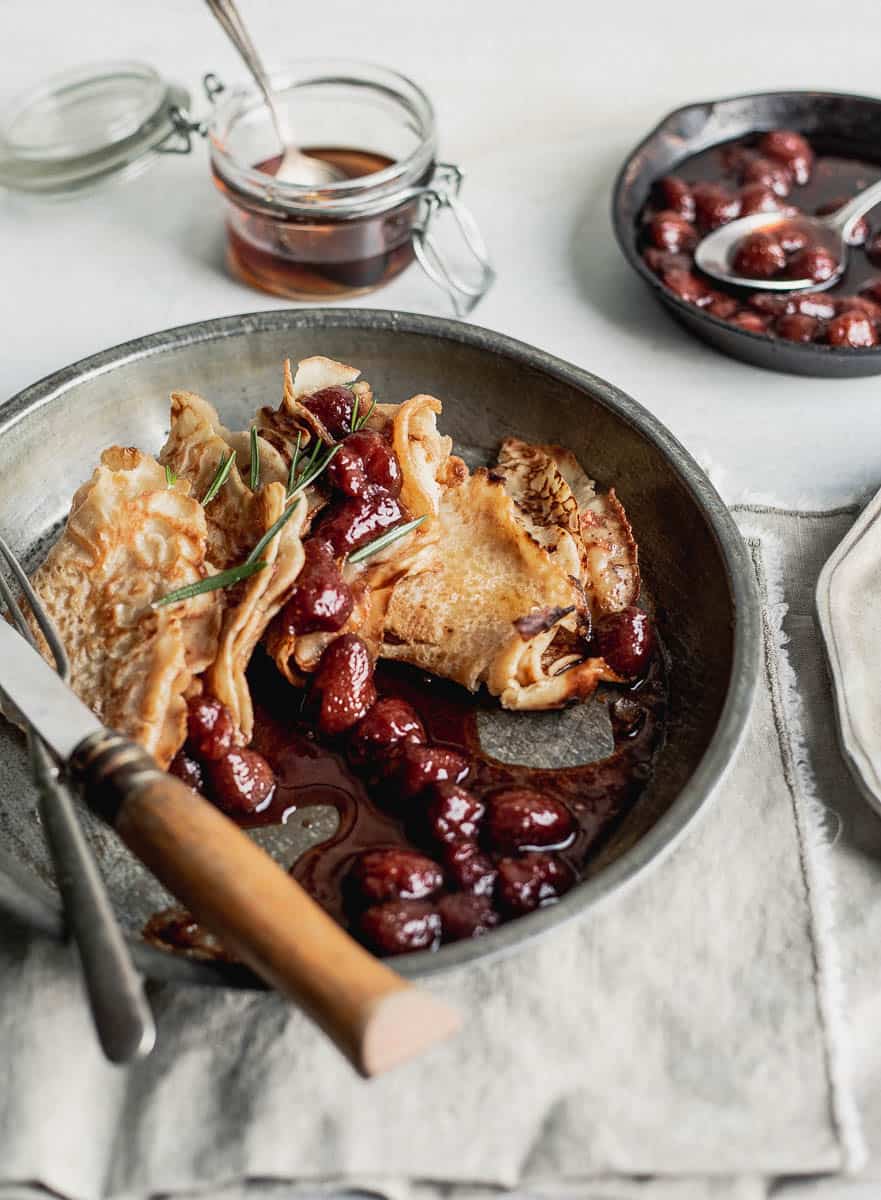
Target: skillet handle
point(258, 911)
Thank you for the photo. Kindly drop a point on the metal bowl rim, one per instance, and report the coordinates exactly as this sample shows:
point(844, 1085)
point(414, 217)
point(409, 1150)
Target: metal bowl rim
point(623, 231)
point(33, 903)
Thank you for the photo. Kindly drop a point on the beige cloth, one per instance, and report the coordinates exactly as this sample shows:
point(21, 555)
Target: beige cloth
point(688, 1030)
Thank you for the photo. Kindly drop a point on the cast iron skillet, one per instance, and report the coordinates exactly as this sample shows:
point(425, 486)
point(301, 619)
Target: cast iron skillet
point(694, 562)
point(834, 123)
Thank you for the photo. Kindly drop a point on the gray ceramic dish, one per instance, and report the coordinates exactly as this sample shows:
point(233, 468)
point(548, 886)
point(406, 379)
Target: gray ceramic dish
point(835, 123)
point(849, 616)
point(693, 559)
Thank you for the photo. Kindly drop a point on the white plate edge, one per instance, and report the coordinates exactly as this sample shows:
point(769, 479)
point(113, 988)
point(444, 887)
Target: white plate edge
point(852, 747)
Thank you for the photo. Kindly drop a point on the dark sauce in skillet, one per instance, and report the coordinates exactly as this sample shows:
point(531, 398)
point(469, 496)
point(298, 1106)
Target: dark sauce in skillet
point(823, 316)
point(311, 773)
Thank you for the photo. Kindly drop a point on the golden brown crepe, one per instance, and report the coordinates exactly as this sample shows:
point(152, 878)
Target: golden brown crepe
point(495, 587)
point(130, 539)
point(237, 519)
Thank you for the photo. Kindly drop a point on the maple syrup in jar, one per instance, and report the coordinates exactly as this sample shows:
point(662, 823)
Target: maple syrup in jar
point(349, 236)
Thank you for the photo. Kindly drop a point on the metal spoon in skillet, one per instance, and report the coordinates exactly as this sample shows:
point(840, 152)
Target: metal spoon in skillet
point(715, 253)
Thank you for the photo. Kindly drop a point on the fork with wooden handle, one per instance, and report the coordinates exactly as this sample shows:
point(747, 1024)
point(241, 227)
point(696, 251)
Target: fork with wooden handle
point(229, 884)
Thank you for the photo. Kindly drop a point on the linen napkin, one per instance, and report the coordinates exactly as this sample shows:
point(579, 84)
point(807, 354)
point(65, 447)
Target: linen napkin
point(689, 1030)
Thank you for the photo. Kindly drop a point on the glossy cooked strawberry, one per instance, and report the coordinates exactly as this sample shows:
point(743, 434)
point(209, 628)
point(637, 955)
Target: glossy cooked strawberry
point(188, 770)
point(454, 814)
point(334, 407)
point(401, 926)
point(759, 256)
point(674, 194)
point(322, 601)
point(792, 149)
point(756, 198)
point(626, 640)
point(853, 329)
point(343, 686)
point(530, 882)
point(714, 205)
point(771, 173)
point(814, 262)
point(469, 869)
point(669, 231)
point(796, 327)
point(521, 818)
point(394, 874)
point(352, 522)
point(390, 724)
point(210, 728)
point(464, 915)
point(420, 766)
point(242, 782)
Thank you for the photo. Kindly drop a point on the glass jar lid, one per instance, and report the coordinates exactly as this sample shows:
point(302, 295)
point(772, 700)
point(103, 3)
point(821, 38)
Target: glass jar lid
point(88, 124)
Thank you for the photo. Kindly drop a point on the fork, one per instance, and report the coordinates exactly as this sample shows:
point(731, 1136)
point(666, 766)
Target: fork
point(120, 1010)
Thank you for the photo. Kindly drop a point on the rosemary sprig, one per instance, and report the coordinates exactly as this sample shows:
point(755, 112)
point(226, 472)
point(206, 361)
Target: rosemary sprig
point(255, 460)
point(220, 475)
point(313, 469)
point(270, 533)
point(385, 539)
point(353, 424)
point(211, 583)
point(170, 477)
point(292, 473)
point(362, 421)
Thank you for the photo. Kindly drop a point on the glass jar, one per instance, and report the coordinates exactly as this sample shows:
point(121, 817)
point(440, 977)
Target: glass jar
point(351, 236)
point(110, 121)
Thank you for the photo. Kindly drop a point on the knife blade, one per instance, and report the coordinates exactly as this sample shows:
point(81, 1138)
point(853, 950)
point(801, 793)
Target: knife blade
point(33, 687)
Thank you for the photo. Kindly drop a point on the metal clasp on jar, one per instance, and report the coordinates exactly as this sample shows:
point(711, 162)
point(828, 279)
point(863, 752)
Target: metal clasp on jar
point(439, 195)
point(443, 194)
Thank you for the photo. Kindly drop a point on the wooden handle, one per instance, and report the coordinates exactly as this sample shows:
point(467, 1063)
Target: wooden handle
point(259, 912)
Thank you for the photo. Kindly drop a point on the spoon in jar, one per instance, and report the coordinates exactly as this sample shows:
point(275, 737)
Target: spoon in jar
point(715, 254)
point(295, 166)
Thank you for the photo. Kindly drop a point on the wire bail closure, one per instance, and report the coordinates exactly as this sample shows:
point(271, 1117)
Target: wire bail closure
point(184, 128)
point(443, 193)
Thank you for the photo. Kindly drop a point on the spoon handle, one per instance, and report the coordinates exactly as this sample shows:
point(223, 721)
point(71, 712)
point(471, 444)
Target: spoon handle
point(231, 22)
point(847, 216)
point(120, 1009)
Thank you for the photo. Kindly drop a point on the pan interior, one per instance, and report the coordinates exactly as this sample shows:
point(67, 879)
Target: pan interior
point(487, 395)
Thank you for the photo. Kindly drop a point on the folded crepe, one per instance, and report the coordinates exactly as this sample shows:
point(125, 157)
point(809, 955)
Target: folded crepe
point(237, 518)
point(131, 538)
point(499, 584)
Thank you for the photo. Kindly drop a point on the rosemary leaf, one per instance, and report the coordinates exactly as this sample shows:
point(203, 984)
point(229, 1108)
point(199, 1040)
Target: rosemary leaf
point(270, 533)
point(363, 420)
point(170, 477)
point(385, 539)
point(292, 473)
point(311, 473)
point(255, 460)
point(211, 583)
point(353, 424)
point(220, 475)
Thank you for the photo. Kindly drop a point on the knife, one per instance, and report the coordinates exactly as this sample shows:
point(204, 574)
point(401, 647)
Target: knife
point(232, 887)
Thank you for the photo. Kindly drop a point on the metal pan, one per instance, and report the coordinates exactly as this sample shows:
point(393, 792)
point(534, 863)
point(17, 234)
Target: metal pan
point(694, 561)
point(836, 123)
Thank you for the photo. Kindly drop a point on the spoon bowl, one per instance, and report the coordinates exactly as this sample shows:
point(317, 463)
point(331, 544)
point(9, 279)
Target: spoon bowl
point(715, 254)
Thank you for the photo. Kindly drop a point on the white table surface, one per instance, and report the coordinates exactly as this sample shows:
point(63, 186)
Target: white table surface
point(540, 103)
